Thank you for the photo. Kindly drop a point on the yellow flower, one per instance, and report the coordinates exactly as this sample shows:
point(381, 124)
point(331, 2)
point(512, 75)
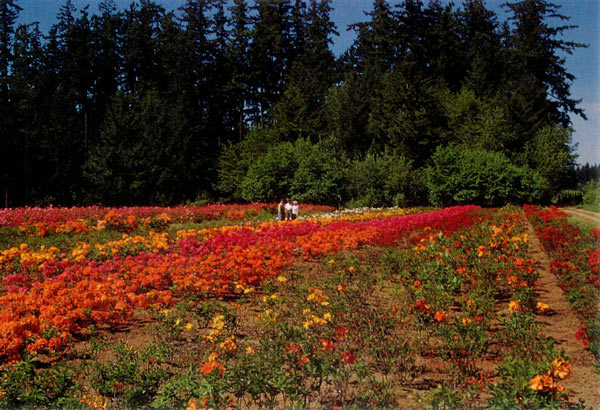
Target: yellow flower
point(514, 306)
point(542, 307)
point(331, 261)
point(327, 316)
point(282, 279)
point(229, 344)
point(250, 350)
point(560, 369)
point(481, 251)
point(219, 322)
point(213, 356)
point(189, 326)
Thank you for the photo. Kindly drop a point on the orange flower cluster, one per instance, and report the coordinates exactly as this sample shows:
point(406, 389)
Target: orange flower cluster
point(42, 229)
point(211, 366)
point(440, 316)
point(559, 369)
point(333, 241)
point(514, 306)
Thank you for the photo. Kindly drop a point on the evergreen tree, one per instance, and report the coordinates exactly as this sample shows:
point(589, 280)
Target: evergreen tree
point(406, 117)
point(443, 46)
point(9, 139)
point(481, 48)
point(31, 103)
point(142, 25)
point(67, 82)
point(376, 46)
point(300, 112)
point(271, 42)
point(347, 111)
point(145, 155)
point(9, 11)
point(539, 82)
point(238, 86)
point(199, 110)
point(412, 27)
point(107, 31)
point(222, 119)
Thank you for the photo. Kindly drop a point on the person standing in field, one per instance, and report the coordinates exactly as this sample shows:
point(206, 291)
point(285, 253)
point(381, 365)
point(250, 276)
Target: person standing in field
point(288, 210)
point(295, 210)
point(281, 210)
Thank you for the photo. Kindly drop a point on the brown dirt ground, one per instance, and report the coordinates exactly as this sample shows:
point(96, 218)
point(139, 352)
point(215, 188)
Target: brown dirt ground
point(561, 324)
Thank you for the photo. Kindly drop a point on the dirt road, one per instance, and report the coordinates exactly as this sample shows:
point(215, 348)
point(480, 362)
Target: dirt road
point(561, 324)
point(584, 216)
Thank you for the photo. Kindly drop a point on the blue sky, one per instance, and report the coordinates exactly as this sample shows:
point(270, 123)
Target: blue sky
point(583, 63)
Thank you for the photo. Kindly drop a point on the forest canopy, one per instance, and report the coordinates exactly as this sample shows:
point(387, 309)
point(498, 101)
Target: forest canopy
point(245, 101)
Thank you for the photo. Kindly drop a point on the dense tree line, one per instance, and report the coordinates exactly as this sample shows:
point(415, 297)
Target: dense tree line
point(238, 100)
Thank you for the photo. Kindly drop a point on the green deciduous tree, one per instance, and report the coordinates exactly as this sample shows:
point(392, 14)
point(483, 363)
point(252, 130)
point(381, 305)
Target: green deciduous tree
point(550, 153)
point(383, 180)
point(460, 175)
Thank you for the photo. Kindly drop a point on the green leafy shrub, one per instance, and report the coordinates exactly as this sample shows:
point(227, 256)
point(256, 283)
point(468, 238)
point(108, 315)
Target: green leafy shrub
point(382, 180)
point(568, 197)
point(320, 173)
point(23, 386)
point(475, 176)
point(591, 193)
point(133, 377)
point(270, 176)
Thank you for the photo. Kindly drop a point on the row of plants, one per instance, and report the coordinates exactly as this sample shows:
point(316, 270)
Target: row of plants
point(52, 301)
point(45, 221)
point(575, 256)
point(436, 309)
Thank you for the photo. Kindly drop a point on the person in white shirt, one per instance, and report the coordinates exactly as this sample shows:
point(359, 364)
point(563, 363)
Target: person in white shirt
point(295, 210)
point(288, 210)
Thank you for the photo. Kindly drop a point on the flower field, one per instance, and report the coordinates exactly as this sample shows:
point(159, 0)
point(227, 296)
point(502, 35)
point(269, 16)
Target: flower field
point(219, 306)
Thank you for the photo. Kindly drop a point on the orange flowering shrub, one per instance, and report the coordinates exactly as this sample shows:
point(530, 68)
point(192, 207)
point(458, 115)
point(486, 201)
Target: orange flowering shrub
point(559, 369)
point(61, 293)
